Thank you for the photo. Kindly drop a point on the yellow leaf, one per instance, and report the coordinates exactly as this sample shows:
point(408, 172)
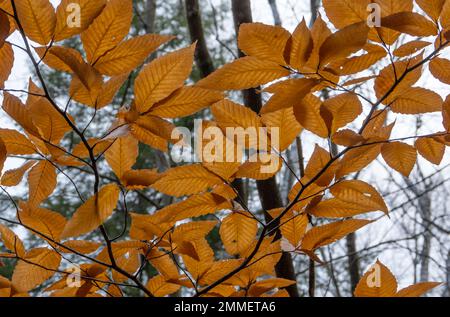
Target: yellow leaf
point(357, 158)
point(139, 179)
point(417, 100)
point(346, 12)
point(244, 73)
point(288, 93)
point(230, 114)
point(318, 161)
point(326, 234)
point(343, 43)
point(129, 54)
point(46, 222)
point(85, 73)
point(7, 58)
point(432, 7)
point(16, 143)
point(37, 266)
point(162, 77)
point(293, 227)
point(256, 169)
point(307, 113)
point(56, 62)
point(81, 246)
point(359, 63)
point(446, 113)
point(439, 67)
point(263, 41)
point(89, 11)
point(11, 241)
point(288, 126)
point(343, 109)
point(37, 18)
point(431, 149)
point(386, 80)
point(299, 47)
point(3, 155)
point(108, 29)
point(410, 23)
point(267, 285)
point(160, 287)
point(14, 177)
point(417, 290)
point(93, 212)
point(445, 16)
point(186, 180)
point(347, 138)
point(185, 102)
point(42, 182)
point(122, 155)
point(14, 107)
point(153, 131)
point(192, 231)
point(410, 48)
point(400, 156)
point(319, 32)
point(378, 281)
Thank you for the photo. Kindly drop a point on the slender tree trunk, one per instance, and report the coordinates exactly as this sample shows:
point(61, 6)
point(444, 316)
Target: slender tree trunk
point(275, 12)
point(194, 20)
point(314, 4)
point(268, 190)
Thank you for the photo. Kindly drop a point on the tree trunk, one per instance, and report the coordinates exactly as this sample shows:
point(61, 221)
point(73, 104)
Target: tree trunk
point(268, 189)
point(194, 20)
point(275, 12)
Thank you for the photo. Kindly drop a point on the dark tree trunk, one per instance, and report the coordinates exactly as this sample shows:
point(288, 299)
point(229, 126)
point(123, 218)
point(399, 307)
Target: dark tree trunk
point(275, 12)
point(194, 20)
point(268, 190)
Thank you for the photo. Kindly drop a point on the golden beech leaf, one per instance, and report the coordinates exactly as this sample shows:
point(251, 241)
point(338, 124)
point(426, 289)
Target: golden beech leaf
point(219, 269)
point(3, 155)
point(446, 113)
point(347, 138)
point(37, 18)
point(410, 48)
point(346, 12)
point(256, 169)
point(261, 287)
point(445, 16)
point(89, 11)
point(319, 32)
point(11, 241)
point(244, 73)
point(410, 23)
point(139, 179)
point(14, 177)
point(342, 110)
point(237, 231)
point(122, 155)
point(153, 131)
point(288, 93)
point(266, 42)
point(108, 29)
point(359, 63)
point(417, 100)
point(307, 113)
point(400, 156)
point(16, 143)
point(193, 207)
point(417, 290)
point(359, 193)
point(326, 234)
point(5, 28)
point(440, 68)
point(56, 62)
point(81, 246)
point(37, 266)
point(293, 227)
point(299, 47)
point(431, 149)
point(90, 78)
point(41, 181)
point(7, 58)
point(130, 54)
point(357, 158)
point(159, 286)
point(318, 161)
point(378, 281)
point(343, 43)
point(42, 221)
point(185, 102)
point(186, 180)
point(14, 107)
point(386, 80)
point(163, 76)
point(93, 212)
point(432, 8)
point(288, 126)
point(98, 147)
